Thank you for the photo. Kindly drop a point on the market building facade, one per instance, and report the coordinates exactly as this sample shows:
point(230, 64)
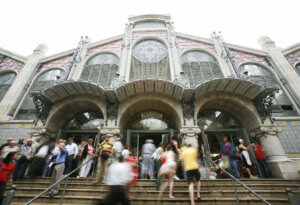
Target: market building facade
point(152, 82)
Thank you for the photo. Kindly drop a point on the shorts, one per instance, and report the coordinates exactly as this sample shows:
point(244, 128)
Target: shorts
point(193, 175)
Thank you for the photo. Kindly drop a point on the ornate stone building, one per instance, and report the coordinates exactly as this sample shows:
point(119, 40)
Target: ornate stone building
point(152, 82)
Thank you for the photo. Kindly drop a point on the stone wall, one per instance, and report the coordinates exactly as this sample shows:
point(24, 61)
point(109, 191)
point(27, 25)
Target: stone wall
point(187, 44)
point(62, 63)
point(15, 131)
point(294, 57)
point(11, 64)
point(290, 137)
point(113, 47)
point(242, 57)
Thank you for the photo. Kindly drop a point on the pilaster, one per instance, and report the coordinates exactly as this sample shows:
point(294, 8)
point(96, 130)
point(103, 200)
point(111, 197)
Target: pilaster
point(289, 75)
point(21, 83)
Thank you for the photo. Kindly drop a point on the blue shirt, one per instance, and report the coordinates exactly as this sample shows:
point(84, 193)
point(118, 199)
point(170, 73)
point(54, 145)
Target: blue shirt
point(223, 148)
point(61, 157)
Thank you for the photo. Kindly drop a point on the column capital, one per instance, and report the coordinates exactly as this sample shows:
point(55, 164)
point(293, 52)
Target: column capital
point(110, 131)
point(189, 131)
point(266, 42)
point(41, 132)
point(264, 131)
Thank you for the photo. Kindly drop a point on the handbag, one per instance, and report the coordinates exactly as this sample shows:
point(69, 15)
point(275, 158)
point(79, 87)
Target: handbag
point(104, 155)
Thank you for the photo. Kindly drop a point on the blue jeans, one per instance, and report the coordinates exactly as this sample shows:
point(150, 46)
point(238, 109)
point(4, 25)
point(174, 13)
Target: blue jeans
point(265, 168)
point(233, 167)
point(47, 169)
point(148, 165)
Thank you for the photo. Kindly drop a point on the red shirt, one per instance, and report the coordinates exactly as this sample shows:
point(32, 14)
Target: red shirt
point(5, 170)
point(259, 154)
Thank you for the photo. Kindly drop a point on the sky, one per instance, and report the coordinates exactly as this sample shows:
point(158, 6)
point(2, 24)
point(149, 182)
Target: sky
point(60, 23)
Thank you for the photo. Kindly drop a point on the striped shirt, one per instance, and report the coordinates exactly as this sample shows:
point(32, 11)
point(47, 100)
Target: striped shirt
point(106, 146)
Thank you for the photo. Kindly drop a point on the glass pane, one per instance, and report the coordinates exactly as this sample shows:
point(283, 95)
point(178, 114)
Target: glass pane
point(149, 51)
point(150, 24)
point(6, 80)
point(86, 121)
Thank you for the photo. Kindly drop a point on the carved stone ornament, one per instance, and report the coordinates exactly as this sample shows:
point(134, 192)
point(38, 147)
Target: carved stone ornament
point(42, 107)
point(190, 131)
point(41, 132)
point(110, 131)
point(112, 110)
point(264, 131)
point(188, 108)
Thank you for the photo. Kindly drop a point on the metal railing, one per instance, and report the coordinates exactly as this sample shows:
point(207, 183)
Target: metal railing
point(65, 177)
point(10, 195)
point(233, 179)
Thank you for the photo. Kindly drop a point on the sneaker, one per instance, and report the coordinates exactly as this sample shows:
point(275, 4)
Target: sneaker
point(176, 177)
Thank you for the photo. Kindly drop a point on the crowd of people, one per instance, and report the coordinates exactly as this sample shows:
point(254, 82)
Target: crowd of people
point(120, 166)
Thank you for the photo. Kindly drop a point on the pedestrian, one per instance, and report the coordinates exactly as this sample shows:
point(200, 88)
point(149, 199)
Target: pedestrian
point(59, 165)
point(40, 158)
point(25, 155)
point(246, 161)
point(118, 176)
point(53, 152)
point(148, 163)
point(168, 171)
point(7, 168)
point(183, 148)
point(134, 171)
point(157, 159)
point(190, 159)
point(117, 149)
point(261, 159)
point(87, 156)
point(5, 144)
point(105, 152)
point(11, 147)
point(72, 149)
point(228, 150)
point(126, 152)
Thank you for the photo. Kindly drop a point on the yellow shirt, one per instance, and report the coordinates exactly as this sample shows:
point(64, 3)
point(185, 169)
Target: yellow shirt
point(190, 159)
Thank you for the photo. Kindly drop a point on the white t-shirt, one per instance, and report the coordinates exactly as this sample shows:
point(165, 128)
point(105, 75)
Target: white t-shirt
point(118, 173)
point(125, 153)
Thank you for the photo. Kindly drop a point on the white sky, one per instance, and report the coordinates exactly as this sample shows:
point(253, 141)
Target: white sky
point(60, 23)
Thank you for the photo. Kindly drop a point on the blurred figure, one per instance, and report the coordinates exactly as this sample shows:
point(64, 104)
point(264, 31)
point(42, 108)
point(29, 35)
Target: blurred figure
point(25, 155)
point(132, 160)
point(148, 164)
point(260, 157)
point(246, 162)
point(183, 148)
point(105, 152)
point(6, 144)
point(190, 161)
point(126, 152)
point(168, 171)
point(87, 155)
point(11, 147)
point(53, 152)
point(227, 149)
point(40, 157)
point(157, 159)
point(59, 166)
point(7, 168)
point(118, 175)
point(117, 149)
point(72, 149)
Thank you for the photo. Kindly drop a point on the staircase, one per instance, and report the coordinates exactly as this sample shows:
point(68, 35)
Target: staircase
point(80, 191)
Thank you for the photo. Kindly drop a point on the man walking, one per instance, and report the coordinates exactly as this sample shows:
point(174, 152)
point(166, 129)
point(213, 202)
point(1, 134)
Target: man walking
point(25, 155)
point(190, 162)
point(260, 157)
point(148, 163)
point(59, 166)
point(105, 152)
point(72, 149)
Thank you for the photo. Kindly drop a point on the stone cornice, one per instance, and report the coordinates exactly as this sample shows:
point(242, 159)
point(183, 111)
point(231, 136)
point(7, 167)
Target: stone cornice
point(71, 51)
point(195, 38)
point(13, 55)
point(286, 118)
point(291, 49)
point(149, 17)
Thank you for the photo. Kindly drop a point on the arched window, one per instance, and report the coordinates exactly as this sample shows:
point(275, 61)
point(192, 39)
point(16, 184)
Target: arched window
point(282, 105)
point(101, 69)
point(150, 24)
point(27, 109)
point(6, 80)
point(297, 68)
point(150, 60)
point(199, 66)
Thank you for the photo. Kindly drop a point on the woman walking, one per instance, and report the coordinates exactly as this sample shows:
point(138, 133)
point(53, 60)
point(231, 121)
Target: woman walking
point(87, 155)
point(6, 172)
point(245, 157)
point(168, 171)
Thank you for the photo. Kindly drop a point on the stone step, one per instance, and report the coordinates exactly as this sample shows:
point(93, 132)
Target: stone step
point(227, 186)
point(147, 201)
point(154, 193)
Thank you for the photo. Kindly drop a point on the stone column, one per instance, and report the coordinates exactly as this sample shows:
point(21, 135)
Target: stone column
point(189, 135)
point(289, 75)
point(77, 67)
point(21, 82)
point(225, 64)
point(280, 165)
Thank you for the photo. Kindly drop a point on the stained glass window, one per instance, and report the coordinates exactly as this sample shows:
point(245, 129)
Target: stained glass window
point(27, 109)
point(101, 69)
point(6, 80)
point(199, 66)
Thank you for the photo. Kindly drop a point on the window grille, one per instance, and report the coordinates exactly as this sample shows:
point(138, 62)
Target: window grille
point(27, 109)
point(6, 80)
point(200, 66)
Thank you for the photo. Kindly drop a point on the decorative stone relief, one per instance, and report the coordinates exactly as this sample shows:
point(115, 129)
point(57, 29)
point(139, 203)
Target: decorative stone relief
point(264, 131)
point(161, 34)
point(41, 132)
point(8, 63)
point(110, 131)
point(190, 135)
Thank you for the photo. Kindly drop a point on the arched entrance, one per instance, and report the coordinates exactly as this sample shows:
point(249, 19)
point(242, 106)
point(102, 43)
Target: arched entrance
point(149, 117)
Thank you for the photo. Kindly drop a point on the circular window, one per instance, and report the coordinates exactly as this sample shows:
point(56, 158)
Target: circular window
point(150, 51)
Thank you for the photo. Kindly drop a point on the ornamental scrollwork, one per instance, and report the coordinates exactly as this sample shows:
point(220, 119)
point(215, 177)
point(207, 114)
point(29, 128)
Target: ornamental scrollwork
point(42, 107)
